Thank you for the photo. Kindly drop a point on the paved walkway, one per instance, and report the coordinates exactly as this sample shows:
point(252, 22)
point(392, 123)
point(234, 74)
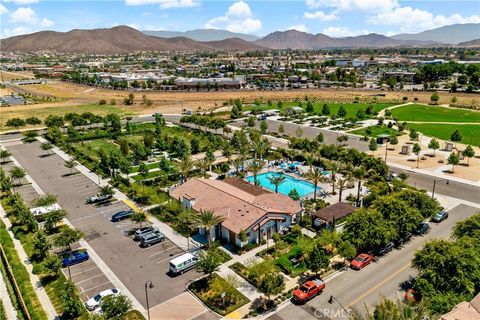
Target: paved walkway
point(10, 311)
point(36, 283)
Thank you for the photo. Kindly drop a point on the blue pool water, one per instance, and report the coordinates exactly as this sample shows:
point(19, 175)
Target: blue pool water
point(303, 187)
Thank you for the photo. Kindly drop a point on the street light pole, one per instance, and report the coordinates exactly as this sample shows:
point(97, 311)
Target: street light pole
point(148, 285)
point(435, 183)
point(330, 300)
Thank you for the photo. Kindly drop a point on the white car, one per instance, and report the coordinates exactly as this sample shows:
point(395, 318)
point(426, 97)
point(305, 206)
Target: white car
point(94, 302)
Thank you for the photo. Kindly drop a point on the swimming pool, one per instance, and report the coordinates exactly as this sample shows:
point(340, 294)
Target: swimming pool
point(303, 187)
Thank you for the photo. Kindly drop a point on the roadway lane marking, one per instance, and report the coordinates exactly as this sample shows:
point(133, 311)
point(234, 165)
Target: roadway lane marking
point(368, 292)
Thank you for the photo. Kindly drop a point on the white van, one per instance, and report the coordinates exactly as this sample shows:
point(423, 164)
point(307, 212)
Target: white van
point(183, 263)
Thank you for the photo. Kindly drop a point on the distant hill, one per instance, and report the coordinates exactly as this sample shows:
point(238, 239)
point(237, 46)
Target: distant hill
point(293, 39)
point(202, 35)
point(453, 34)
point(121, 39)
point(471, 44)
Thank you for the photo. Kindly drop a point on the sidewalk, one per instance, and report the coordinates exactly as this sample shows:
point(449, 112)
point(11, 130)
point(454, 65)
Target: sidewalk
point(36, 283)
point(10, 311)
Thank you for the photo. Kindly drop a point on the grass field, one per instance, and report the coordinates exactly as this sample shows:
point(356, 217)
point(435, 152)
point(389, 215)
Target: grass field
point(470, 132)
point(32, 110)
point(375, 131)
point(418, 112)
point(92, 147)
point(352, 108)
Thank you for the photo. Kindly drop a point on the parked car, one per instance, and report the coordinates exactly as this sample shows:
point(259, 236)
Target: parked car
point(94, 302)
point(440, 216)
point(121, 215)
point(386, 249)
point(142, 231)
point(361, 261)
point(422, 228)
point(98, 198)
point(308, 290)
point(150, 238)
point(183, 263)
point(71, 258)
point(403, 239)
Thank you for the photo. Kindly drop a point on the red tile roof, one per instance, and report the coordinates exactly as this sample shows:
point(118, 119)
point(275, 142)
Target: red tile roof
point(239, 208)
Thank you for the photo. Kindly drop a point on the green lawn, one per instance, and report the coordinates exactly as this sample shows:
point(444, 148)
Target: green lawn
point(470, 132)
point(419, 112)
point(352, 108)
point(92, 147)
point(150, 166)
point(150, 175)
point(375, 131)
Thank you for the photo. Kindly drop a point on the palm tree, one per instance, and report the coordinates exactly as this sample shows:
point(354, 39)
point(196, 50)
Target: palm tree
point(309, 159)
point(254, 167)
point(139, 217)
point(207, 219)
point(17, 173)
point(276, 181)
point(71, 165)
point(188, 221)
point(185, 166)
point(204, 164)
point(261, 147)
point(359, 174)
point(237, 163)
point(341, 184)
point(315, 176)
point(334, 169)
point(4, 154)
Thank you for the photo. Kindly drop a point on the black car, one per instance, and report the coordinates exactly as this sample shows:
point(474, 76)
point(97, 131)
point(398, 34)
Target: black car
point(439, 217)
point(422, 228)
point(121, 215)
point(403, 239)
point(386, 249)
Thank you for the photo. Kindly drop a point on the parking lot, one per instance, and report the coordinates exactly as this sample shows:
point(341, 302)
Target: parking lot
point(132, 265)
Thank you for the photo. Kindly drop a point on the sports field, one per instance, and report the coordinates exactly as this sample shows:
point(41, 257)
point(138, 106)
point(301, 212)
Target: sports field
point(470, 132)
point(425, 113)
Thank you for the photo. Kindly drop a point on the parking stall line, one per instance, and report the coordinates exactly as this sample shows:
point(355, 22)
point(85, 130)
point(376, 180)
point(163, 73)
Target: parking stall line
point(172, 256)
point(86, 270)
point(98, 285)
point(98, 275)
point(152, 255)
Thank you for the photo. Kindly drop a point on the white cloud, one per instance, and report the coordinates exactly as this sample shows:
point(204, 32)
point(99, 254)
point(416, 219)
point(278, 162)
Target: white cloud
point(15, 31)
point(46, 22)
point(349, 5)
point(343, 32)
point(300, 27)
point(238, 18)
point(418, 19)
point(165, 4)
point(134, 26)
point(24, 15)
point(320, 15)
point(3, 9)
point(22, 2)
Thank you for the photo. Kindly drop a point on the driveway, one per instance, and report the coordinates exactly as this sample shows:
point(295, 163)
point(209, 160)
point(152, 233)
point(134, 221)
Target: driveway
point(130, 263)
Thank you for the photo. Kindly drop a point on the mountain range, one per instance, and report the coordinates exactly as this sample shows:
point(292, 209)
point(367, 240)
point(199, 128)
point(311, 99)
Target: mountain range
point(202, 35)
point(123, 39)
point(453, 34)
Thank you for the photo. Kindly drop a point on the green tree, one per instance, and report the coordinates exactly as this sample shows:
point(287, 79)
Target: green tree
point(372, 145)
point(393, 140)
point(434, 98)
point(417, 149)
point(33, 121)
point(207, 219)
point(342, 112)
point(468, 228)
point(317, 259)
point(52, 264)
point(204, 164)
point(325, 109)
point(272, 284)
point(115, 307)
point(276, 180)
point(41, 245)
point(143, 170)
point(299, 132)
point(281, 129)
point(346, 250)
point(4, 154)
point(70, 301)
point(54, 121)
point(139, 217)
point(294, 195)
point(316, 176)
point(456, 136)
point(263, 126)
point(434, 145)
point(185, 166)
point(52, 219)
point(469, 153)
point(71, 164)
point(18, 174)
point(46, 146)
point(254, 167)
point(453, 160)
point(309, 107)
point(208, 262)
point(251, 122)
point(15, 123)
point(67, 237)
point(413, 134)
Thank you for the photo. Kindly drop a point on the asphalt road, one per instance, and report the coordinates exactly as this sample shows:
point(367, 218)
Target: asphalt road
point(355, 289)
point(130, 263)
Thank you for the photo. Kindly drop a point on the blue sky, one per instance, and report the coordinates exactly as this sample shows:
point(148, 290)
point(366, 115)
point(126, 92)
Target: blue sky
point(336, 18)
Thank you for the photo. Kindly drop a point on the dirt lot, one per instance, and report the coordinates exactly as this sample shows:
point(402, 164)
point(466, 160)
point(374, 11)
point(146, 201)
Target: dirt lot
point(7, 76)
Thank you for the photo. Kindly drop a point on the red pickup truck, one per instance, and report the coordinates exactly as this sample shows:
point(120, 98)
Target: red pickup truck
point(308, 290)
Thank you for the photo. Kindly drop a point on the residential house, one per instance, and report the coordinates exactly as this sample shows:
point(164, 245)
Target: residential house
point(244, 207)
point(333, 215)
